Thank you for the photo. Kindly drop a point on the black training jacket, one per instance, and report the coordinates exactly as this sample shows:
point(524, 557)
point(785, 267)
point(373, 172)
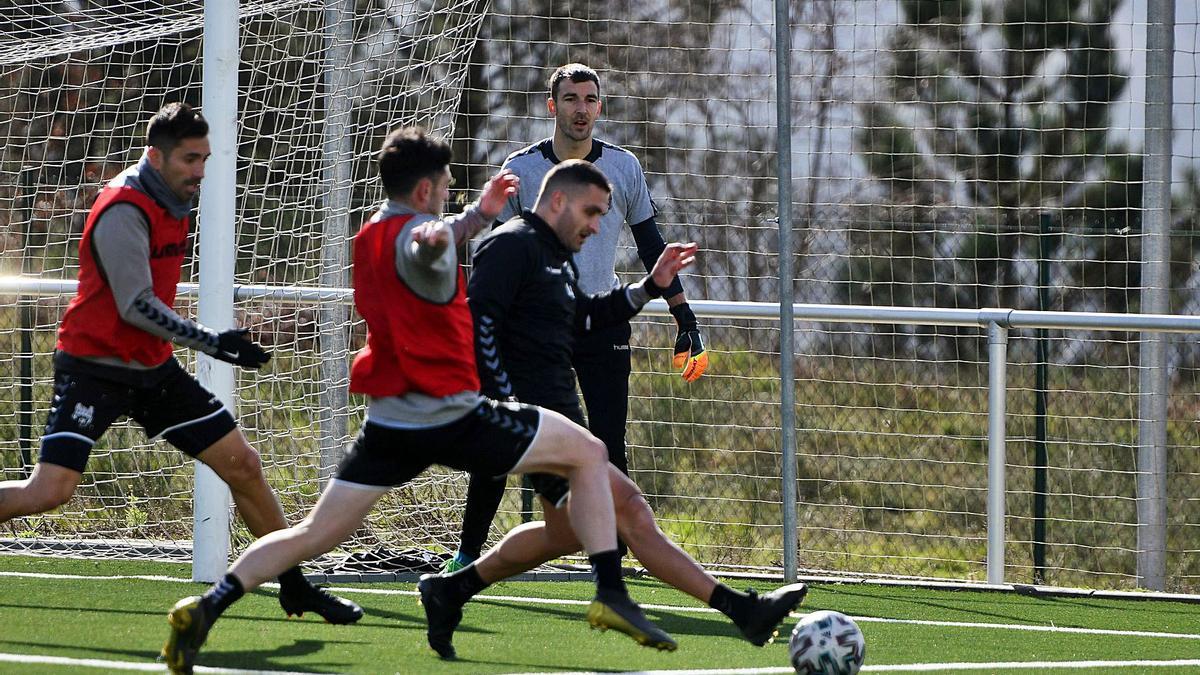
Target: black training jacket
point(528, 307)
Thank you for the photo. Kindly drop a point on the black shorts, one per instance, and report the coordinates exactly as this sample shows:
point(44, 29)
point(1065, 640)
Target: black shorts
point(166, 401)
point(553, 489)
point(489, 440)
point(549, 486)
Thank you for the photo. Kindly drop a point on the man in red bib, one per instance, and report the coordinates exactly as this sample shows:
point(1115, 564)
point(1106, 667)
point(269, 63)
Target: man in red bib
point(424, 406)
point(114, 355)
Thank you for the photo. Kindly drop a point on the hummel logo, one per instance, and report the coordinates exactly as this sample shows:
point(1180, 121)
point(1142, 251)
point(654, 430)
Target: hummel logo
point(83, 415)
point(554, 270)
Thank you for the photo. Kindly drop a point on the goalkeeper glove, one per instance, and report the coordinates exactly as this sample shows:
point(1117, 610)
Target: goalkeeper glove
point(235, 346)
point(690, 355)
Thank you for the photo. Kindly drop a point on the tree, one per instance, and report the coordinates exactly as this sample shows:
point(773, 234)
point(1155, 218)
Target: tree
point(997, 110)
point(688, 89)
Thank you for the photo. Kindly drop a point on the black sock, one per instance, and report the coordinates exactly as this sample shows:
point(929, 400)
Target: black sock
point(222, 594)
point(464, 584)
point(483, 499)
point(291, 580)
point(733, 604)
point(606, 565)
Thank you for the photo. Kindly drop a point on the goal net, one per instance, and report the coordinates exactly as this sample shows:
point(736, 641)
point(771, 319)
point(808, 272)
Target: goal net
point(319, 88)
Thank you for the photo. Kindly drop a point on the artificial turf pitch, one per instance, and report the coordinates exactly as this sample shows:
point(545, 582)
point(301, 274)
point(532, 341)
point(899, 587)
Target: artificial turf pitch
point(105, 624)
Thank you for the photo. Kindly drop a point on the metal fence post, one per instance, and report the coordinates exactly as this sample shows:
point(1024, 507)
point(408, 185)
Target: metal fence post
point(997, 337)
point(1156, 223)
point(1041, 459)
point(338, 176)
point(787, 337)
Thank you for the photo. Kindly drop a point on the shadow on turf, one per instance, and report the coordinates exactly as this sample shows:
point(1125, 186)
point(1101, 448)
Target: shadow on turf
point(375, 617)
point(387, 618)
point(416, 616)
point(991, 601)
point(675, 624)
point(263, 660)
point(929, 603)
point(260, 660)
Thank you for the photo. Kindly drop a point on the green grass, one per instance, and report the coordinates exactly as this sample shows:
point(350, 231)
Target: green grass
point(123, 620)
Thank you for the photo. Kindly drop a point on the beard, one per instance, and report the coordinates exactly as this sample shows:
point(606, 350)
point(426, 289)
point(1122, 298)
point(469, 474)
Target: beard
point(569, 130)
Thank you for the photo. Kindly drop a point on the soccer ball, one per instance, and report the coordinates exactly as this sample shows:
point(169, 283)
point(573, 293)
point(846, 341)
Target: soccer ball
point(827, 643)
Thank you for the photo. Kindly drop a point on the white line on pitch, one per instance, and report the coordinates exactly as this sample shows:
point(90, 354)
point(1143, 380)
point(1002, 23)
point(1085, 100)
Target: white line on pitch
point(860, 619)
point(127, 665)
point(672, 608)
point(1028, 627)
point(931, 667)
point(96, 577)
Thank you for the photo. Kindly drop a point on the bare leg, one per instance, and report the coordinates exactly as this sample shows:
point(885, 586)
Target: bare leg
point(532, 544)
point(49, 487)
point(567, 449)
point(662, 557)
point(338, 513)
point(529, 545)
point(238, 465)
point(231, 458)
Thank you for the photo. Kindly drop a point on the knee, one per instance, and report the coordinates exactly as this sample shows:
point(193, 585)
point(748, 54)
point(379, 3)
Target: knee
point(591, 451)
point(559, 534)
point(243, 469)
point(634, 517)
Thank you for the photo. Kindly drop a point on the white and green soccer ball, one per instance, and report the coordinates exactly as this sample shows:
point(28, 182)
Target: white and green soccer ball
point(827, 643)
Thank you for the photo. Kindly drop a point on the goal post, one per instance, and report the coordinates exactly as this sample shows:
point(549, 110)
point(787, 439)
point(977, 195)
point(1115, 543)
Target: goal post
point(217, 256)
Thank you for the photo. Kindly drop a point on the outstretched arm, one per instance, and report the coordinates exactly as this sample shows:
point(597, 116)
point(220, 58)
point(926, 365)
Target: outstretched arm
point(690, 355)
point(425, 259)
point(479, 215)
point(622, 303)
point(121, 246)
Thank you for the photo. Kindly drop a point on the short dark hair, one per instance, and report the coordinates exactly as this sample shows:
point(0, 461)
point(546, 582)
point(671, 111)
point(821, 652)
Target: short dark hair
point(571, 174)
point(575, 72)
point(173, 123)
point(408, 155)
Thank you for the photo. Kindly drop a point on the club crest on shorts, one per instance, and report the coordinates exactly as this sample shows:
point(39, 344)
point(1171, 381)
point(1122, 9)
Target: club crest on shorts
point(83, 415)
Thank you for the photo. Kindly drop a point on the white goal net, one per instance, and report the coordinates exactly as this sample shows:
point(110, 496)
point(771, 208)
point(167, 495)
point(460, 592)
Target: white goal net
point(318, 91)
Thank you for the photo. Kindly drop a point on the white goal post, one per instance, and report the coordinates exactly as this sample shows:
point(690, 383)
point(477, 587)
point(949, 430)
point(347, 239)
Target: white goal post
point(217, 258)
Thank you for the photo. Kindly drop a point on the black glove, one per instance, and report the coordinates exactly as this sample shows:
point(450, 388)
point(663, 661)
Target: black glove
point(690, 355)
point(235, 346)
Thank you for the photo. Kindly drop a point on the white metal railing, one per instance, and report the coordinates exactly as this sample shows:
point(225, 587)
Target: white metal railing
point(995, 321)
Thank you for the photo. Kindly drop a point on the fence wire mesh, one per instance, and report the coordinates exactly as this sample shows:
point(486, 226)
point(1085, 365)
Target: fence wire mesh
point(929, 140)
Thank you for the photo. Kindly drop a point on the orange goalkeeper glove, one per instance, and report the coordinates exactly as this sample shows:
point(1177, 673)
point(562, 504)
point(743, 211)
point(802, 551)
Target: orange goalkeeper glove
point(690, 356)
